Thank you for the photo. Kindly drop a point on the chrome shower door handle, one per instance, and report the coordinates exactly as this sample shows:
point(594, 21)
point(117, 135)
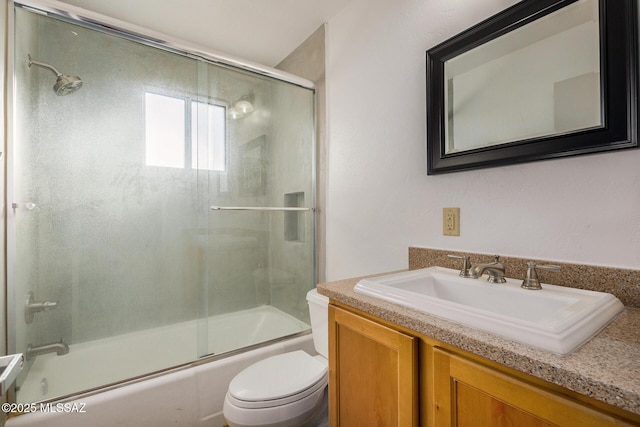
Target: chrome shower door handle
point(259, 208)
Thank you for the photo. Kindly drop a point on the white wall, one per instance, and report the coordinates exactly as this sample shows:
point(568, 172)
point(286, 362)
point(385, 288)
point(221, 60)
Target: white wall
point(582, 209)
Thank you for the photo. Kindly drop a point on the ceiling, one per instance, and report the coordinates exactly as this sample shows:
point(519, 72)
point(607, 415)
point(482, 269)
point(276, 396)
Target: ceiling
point(264, 31)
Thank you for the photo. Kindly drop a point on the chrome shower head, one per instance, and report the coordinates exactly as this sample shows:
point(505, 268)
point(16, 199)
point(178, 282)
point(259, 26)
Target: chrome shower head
point(67, 84)
point(64, 84)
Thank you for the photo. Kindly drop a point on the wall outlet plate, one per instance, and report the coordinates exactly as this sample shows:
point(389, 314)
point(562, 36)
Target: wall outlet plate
point(451, 221)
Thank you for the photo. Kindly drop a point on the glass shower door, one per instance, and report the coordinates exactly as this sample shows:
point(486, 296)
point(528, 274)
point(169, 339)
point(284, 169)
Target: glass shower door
point(104, 208)
point(261, 224)
point(118, 265)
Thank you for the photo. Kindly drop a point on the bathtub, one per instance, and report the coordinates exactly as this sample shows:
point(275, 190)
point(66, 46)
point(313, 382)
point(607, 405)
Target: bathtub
point(191, 395)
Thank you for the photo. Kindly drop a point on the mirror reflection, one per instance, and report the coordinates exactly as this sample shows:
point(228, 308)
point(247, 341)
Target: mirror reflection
point(541, 79)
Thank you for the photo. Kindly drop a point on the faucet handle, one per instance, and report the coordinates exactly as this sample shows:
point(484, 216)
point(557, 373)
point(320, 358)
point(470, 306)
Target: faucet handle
point(32, 306)
point(466, 265)
point(531, 279)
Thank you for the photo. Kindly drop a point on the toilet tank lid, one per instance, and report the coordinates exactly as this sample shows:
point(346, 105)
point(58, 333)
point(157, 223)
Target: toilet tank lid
point(314, 296)
point(277, 377)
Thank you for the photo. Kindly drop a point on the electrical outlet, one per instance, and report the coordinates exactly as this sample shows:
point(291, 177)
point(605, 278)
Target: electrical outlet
point(451, 221)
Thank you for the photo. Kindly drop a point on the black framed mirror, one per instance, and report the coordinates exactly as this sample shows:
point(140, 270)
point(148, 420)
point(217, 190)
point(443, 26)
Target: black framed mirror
point(542, 79)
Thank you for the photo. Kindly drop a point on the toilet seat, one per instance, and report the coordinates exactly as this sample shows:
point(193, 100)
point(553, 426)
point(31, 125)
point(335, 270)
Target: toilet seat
point(287, 390)
point(278, 380)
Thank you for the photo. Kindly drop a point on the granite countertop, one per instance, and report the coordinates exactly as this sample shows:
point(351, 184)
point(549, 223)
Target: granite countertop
point(606, 368)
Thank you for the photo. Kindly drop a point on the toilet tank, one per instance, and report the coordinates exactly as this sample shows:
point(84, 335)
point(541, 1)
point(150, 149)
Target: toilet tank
point(319, 314)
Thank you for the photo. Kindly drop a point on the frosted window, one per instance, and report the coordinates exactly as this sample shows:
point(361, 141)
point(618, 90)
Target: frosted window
point(164, 131)
point(208, 136)
point(165, 136)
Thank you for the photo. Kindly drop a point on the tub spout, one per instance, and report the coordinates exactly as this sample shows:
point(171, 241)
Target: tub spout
point(59, 348)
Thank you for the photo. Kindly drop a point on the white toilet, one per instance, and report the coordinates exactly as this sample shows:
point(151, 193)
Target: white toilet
point(286, 390)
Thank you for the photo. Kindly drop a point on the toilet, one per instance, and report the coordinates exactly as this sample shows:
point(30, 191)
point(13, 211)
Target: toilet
point(286, 390)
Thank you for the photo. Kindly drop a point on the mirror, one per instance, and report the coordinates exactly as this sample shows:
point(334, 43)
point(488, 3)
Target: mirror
point(542, 79)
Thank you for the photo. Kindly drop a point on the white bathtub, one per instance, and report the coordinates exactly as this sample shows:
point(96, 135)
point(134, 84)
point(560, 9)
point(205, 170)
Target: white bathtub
point(191, 396)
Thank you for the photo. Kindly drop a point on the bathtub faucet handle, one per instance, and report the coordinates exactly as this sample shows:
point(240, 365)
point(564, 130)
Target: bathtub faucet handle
point(32, 306)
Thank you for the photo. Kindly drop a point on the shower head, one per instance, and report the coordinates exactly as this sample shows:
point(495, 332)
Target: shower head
point(64, 84)
point(67, 84)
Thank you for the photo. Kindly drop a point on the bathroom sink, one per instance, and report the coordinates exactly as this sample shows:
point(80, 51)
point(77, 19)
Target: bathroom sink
point(557, 318)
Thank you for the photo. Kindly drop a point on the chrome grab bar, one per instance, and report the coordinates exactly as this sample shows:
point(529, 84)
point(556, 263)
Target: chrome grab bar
point(255, 208)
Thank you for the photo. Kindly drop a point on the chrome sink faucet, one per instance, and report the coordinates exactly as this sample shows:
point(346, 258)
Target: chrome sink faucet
point(494, 269)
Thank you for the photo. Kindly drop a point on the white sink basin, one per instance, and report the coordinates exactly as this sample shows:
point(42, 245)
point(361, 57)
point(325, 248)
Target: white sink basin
point(556, 318)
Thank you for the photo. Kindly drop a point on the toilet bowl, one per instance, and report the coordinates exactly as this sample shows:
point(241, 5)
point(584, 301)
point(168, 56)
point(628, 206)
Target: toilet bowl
point(286, 390)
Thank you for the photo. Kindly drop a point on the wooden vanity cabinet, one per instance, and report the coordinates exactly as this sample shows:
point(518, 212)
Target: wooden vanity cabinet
point(373, 379)
point(468, 394)
point(382, 376)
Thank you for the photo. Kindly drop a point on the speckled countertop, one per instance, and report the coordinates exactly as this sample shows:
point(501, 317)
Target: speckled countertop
point(607, 368)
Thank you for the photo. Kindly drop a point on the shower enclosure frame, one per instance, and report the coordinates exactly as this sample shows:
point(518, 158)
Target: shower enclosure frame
point(154, 39)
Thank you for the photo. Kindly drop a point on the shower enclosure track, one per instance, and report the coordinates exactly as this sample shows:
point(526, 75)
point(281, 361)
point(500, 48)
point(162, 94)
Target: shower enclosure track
point(149, 37)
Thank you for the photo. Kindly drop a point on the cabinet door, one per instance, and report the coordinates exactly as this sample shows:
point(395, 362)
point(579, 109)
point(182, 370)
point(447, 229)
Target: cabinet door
point(468, 394)
point(372, 373)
